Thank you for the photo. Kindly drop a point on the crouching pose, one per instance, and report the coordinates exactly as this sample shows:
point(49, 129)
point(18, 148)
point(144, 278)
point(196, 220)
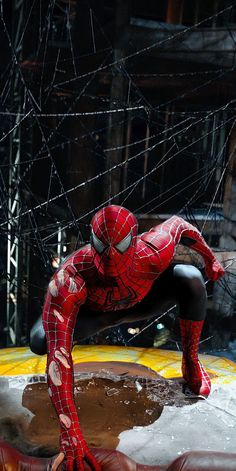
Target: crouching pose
point(120, 277)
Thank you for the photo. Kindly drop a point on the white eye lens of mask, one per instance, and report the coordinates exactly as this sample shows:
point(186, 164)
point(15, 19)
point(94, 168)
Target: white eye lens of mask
point(97, 243)
point(124, 244)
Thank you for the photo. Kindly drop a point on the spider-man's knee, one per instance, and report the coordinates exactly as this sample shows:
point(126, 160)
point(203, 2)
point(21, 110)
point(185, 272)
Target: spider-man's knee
point(189, 281)
point(38, 342)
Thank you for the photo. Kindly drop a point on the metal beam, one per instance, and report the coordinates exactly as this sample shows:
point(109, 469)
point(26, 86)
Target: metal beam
point(14, 324)
point(214, 46)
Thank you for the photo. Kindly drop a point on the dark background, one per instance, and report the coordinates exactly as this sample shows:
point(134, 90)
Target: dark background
point(123, 102)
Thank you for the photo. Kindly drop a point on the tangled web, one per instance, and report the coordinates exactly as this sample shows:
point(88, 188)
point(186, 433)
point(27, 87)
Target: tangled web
point(102, 103)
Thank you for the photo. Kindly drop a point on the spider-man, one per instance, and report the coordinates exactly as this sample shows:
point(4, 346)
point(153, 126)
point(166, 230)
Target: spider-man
point(120, 277)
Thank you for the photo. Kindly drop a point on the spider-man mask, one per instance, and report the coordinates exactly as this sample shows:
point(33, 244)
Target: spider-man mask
point(114, 230)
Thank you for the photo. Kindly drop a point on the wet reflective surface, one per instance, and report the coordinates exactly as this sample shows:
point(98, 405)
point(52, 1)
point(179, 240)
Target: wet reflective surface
point(121, 403)
point(108, 403)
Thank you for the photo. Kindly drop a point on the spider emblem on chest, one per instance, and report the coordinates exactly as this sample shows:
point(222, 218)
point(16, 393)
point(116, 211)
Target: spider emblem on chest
point(120, 299)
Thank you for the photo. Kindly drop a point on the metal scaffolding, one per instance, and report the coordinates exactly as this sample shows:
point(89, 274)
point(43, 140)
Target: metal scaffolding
point(14, 250)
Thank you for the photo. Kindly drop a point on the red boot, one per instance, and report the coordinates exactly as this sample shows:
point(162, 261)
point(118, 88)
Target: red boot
point(193, 372)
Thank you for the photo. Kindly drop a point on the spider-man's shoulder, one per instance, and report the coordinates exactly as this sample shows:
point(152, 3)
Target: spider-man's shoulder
point(79, 261)
point(142, 248)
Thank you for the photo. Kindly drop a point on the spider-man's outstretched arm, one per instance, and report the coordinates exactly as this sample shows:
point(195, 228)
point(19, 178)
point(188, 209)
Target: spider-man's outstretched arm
point(184, 233)
point(64, 297)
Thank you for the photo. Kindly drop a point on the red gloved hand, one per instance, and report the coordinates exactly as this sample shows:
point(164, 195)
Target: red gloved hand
point(214, 270)
point(75, 452)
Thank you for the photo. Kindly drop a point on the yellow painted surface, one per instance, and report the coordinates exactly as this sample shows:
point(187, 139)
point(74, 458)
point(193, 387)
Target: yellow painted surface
point(21, 361)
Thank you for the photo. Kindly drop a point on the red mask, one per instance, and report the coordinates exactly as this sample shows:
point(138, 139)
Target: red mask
point(114, 231)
